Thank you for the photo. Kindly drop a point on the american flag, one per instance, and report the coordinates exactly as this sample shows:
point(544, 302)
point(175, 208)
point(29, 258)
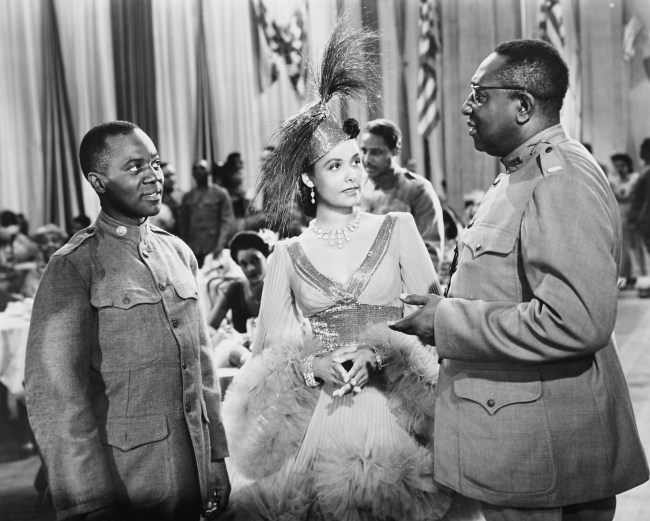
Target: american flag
point(429, 48)
point(551, 23)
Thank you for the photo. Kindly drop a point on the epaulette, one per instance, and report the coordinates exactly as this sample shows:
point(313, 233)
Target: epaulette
point(77, 240)
point(551, 160)
point(412, 175)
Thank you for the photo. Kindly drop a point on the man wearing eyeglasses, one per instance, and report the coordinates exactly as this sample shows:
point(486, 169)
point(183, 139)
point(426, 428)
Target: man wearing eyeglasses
point(533, 414)
point(121, 393)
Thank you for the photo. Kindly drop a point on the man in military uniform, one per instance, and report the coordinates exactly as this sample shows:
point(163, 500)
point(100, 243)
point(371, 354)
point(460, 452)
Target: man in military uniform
point(391, 188)
point(533, 414)
point(120, 388)
point(206, 215)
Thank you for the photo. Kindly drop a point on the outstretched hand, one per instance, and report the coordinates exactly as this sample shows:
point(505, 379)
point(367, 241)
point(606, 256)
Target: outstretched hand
point(420, 322)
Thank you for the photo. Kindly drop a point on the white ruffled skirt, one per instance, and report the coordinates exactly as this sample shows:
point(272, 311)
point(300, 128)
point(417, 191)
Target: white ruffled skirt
point(303, 454)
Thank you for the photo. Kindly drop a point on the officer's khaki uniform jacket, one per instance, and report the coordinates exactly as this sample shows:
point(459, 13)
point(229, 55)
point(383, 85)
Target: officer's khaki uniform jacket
point(533, 409)
point(120, 390)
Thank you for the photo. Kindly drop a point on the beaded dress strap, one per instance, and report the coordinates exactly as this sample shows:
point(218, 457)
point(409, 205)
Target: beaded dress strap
point(349, 292)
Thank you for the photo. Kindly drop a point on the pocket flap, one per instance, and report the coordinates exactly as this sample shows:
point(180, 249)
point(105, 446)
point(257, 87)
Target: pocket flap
point(123, 298)
point(129, 433)
point(186, 289)
point(493, 390)
point(483, 239)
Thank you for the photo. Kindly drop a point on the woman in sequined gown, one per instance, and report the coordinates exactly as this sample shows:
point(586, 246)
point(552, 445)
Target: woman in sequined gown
point(332, 418)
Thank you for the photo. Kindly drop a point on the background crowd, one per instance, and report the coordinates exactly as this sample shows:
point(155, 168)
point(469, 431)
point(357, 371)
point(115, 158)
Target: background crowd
point(217, 208)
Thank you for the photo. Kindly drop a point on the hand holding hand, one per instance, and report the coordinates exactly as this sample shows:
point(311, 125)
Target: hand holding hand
point(419, 323)
point(329, 366)
point(363, 359)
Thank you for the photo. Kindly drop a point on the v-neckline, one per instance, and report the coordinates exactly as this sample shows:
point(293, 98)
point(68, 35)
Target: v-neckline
point(344, 286)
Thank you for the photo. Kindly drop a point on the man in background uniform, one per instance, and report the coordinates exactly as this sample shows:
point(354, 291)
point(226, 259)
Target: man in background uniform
point(391, 188)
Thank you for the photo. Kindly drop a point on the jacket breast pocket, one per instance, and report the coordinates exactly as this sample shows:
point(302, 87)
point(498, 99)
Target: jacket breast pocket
point(489, 254)
point(129, 328)
point(506, 443)
point(137, 450)
point(186, 289)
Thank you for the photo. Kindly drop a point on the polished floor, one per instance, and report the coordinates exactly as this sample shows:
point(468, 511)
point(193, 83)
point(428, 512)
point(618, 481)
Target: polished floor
point(18, 499)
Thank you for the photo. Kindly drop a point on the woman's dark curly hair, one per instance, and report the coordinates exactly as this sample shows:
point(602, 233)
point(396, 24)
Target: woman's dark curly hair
point(248, 241)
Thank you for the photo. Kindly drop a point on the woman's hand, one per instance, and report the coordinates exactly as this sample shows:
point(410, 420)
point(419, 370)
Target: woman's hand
point(363, 359)
point(329, 367)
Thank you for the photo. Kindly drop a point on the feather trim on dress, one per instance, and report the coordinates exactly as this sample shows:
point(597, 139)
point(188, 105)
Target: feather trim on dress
point(383, 481)
point(267, 409)
point(411, 375)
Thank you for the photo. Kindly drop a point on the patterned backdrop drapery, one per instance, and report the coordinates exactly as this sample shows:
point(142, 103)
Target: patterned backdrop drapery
point(157, 80)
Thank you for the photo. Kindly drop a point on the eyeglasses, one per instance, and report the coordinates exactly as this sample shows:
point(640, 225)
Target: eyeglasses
point(477, 99)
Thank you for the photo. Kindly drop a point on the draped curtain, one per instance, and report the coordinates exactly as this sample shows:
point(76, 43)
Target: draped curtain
point(206, 128)
point(136, 59)
point(134, 62)
point(63, 198)
point(86, 47)
point(174, 34)
point(21, 59)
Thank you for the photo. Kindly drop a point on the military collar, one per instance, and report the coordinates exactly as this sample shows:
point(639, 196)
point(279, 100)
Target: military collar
point(531, 148)
point(389, 178)
point(126, 232)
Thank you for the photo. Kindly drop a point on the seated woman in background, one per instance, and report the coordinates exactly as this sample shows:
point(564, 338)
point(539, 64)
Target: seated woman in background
point(242, 297)
point(49, 239)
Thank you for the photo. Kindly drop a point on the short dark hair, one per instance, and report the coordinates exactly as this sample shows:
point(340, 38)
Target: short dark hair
point(247, 241)
point(232, 157)
point(92, 151)
point(386, 129)
point(538, 67)
point(624, 158)
point(8, 218)
point(645, 150)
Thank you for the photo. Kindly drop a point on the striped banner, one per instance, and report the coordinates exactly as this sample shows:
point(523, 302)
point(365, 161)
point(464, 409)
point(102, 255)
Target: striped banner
point(429, 49)
point(551, 23)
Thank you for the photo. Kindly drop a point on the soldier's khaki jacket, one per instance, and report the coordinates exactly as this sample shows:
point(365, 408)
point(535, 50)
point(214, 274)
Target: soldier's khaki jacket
point(533, 408)
point(120, 389)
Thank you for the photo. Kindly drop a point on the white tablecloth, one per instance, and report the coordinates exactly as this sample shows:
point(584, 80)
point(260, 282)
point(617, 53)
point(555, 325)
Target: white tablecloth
point(14, 328)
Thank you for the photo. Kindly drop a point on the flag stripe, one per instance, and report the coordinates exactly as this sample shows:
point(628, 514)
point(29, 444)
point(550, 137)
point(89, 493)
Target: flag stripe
point(428, 48)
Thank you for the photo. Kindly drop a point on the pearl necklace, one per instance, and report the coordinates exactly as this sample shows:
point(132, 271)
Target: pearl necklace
point(338, 235)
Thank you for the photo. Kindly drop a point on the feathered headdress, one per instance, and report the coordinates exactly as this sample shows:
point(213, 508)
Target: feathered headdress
point(346, 70)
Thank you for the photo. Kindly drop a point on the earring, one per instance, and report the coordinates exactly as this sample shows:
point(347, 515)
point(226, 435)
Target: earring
point(313, 196)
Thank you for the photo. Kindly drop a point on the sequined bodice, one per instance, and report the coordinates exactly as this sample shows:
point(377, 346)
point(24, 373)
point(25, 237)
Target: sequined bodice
point(342, 325)
point(346, 318)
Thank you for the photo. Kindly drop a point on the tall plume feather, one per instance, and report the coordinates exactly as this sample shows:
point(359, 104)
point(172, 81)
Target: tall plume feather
point(347, 70)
